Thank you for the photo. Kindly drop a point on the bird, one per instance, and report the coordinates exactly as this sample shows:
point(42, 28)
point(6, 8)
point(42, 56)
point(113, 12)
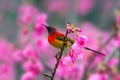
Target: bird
point(56, 39)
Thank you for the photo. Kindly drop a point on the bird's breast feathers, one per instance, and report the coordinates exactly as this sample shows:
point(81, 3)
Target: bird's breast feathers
point(52, 39)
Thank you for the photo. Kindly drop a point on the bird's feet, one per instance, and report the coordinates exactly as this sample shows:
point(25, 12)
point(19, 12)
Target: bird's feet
point(57, 55)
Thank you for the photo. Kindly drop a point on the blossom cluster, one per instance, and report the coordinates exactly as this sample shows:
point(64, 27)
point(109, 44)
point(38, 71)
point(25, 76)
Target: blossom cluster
point(30, 55)
point(75, 52)
point(6, 60)
point(30, 20)
point(29, 60)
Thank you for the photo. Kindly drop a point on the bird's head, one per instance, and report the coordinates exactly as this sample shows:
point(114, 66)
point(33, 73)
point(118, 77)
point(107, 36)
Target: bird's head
point(49, 28)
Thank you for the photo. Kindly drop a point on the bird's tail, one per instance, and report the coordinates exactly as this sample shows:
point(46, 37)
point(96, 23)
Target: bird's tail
point(94, 51)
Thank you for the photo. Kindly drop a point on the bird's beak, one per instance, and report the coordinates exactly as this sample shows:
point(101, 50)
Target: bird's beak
point(44, 25)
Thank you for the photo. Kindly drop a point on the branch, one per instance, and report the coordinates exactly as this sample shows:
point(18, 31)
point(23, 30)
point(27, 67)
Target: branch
point(58, 57)
point(46, 75)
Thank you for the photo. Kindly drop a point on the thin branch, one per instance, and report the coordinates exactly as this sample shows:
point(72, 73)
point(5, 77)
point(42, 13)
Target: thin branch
point(46, 75)
point(58, 56)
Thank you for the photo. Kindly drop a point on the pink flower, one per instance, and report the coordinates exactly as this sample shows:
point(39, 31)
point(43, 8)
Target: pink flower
point(72, 72)
point(78, 30)
point(94, 77)
point(34, 67)
point(30, 61)
point(6, 61)
point(85, 6)
point(6, 50)
point(27, 76)
point(76, 49)
point(7, 71)
point(81, 40)
point(113, 62)
point(75, 54)
point(41, 44)
point(40, 19)
point(26, 13)
point(70, 30)
point(29, 52)
point(61, 6)
point(98, 76)
point(66, 60)
point(23, 35)
point(18, 56)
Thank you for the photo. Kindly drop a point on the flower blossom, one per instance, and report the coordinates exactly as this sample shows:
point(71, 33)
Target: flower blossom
point(40, 19)
point(72, 72)
point(72, 28)
point(30, 62)
point(98, 76)
point(66, 60)
point(75, 51)
point(85, 6)
point(34, 67)
point(27, 76)
point(61, 6)
point(25, 13)
point(6, 61)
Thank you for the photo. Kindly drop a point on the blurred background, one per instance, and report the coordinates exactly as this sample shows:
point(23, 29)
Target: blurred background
point(98, 12)
point(20, 26)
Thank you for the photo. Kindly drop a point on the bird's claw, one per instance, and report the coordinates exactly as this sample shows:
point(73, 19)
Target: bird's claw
point(57, 55)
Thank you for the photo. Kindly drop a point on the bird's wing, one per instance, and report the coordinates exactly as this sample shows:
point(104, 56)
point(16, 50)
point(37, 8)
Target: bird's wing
point(67, 39)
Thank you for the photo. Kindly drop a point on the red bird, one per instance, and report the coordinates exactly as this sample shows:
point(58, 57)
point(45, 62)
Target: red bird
point(55, 38)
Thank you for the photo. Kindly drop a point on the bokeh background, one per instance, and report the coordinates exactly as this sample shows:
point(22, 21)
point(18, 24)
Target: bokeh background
point(98, 12)
point(20, 29)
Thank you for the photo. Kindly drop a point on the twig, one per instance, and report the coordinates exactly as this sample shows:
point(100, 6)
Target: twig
point(46, 75)
point(58, 57)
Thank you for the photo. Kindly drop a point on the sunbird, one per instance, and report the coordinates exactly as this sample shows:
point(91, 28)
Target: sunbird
point(56, 39)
